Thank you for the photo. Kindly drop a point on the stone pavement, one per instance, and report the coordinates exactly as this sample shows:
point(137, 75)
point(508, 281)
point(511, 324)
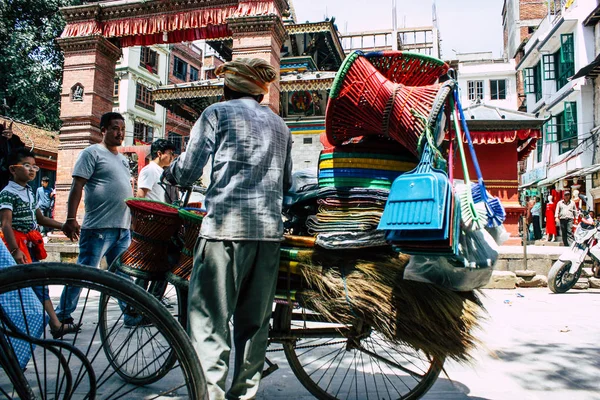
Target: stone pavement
point(540, 346)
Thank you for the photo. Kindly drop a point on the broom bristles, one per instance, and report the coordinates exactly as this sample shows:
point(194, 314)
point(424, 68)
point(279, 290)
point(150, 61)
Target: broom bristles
point(423, 316)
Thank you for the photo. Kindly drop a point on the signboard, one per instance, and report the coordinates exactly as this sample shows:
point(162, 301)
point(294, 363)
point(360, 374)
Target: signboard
point(534, 175)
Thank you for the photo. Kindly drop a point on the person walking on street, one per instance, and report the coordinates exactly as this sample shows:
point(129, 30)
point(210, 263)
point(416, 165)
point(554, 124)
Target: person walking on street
point(105, 175)
point(236, 261)
point(536, 211)
point(149, 186)
point(44, 199)
point(564, 215)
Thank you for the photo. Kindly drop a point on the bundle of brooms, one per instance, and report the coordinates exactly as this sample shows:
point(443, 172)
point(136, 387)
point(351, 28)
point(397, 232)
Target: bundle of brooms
point(346, 285)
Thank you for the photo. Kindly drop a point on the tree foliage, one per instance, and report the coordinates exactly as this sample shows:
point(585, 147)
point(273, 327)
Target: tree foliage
point(31, 60)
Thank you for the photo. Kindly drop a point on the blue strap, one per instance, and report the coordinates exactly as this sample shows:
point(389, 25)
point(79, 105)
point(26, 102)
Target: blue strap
point(463, 122)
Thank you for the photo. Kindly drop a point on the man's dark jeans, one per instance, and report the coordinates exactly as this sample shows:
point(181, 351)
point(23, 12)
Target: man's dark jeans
point(566, 231)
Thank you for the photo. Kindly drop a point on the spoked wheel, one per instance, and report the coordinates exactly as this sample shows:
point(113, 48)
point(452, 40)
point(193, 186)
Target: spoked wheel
point(131, 345)
point(559, 278)
point(344, 362)
point(77, 366)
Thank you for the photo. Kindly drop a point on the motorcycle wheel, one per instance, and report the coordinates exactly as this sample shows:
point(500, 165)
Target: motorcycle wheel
point(559, 279)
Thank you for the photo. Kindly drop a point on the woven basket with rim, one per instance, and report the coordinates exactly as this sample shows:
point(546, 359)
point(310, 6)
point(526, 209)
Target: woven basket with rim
point(191, 219)
point(153, 225)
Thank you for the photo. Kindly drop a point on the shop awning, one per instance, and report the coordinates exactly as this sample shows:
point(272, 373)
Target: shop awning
point(584, 171)
point(591, 70)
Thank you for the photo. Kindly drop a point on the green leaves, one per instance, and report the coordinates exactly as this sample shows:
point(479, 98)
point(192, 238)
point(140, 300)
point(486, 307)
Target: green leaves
point(31, 61)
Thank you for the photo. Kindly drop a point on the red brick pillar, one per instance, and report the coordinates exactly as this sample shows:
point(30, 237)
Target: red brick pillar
point(87, 93)
point(260, 37)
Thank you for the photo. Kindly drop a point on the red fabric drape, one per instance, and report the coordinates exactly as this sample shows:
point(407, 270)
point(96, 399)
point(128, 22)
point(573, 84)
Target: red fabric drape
point(499, 137)
point(206, 23)
point(527, 149)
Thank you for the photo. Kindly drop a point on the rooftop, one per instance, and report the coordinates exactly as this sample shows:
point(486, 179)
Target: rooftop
point(35, 137)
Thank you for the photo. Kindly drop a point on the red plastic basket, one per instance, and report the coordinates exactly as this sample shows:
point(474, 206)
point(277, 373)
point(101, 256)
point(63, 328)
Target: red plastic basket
point(365, 102)
point(407, 68)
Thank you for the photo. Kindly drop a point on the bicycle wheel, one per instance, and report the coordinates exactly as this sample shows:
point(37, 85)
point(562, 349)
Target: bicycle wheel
point(77, 366)
point(123, 329)
point(335, 361)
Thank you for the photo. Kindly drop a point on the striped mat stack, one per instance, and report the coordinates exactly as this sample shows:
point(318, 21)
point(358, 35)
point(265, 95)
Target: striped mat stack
point(354, 183)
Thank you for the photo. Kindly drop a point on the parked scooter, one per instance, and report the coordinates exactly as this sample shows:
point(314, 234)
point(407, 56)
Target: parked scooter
point(566, 271)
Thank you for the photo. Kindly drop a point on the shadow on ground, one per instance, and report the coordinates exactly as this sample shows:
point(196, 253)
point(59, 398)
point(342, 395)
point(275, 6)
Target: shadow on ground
point(554, 366)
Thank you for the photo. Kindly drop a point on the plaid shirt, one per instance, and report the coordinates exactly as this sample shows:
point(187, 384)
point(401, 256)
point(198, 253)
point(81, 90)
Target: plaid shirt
point(251, 168)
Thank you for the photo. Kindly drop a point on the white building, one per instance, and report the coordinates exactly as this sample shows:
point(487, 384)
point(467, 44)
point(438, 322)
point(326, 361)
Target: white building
point(483, 79)
point(560, 46)
point(139, 70)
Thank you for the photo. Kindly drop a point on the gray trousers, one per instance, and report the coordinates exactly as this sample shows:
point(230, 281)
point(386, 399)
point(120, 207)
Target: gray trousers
point(232, 279)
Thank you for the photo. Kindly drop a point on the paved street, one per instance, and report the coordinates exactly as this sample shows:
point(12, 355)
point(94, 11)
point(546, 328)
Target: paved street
point(540, 346)
point(536, 346)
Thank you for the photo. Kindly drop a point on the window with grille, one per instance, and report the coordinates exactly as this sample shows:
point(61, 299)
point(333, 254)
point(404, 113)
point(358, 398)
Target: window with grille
point(142, 133)
point(193, 74)
point(567, 132)
point(143, 97)
point(180, 68)
point(116, 88)
point(149, 59)
point(475, 90)
point(307, 140)
point(529, 80)
point(498, 89)
point(551, 130)
point(540, 149)
point(566, 58)
point(549, 67)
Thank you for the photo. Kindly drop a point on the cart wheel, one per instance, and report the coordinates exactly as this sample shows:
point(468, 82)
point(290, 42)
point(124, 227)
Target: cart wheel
point(124, 330)
point(335, 361)
point(77, 366)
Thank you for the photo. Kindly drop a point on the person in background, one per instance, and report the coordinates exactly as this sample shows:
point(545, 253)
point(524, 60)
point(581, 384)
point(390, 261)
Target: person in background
point(536, 212)
point(8, 142)
point(565, 214)
point(105, 175)
point(149, 186)
point(44, 199)
point(550, 223)
point(20, 216)
point(237, 259)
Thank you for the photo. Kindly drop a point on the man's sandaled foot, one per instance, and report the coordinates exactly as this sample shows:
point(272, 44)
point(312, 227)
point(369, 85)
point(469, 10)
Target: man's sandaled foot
point(65, 329)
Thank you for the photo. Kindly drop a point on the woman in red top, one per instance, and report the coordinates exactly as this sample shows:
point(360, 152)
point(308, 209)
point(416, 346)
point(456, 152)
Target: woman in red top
point(550, 223)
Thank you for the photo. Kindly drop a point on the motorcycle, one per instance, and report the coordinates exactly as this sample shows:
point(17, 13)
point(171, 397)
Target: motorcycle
point(565, 272)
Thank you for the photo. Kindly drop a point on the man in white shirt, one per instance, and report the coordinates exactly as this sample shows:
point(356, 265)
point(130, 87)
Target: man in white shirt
point(162, 155)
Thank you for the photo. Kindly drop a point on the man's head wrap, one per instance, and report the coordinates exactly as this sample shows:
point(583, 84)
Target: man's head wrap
point(247, 75)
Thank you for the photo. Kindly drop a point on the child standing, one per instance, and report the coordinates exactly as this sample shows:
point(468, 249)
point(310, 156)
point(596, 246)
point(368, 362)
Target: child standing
point(20, 216)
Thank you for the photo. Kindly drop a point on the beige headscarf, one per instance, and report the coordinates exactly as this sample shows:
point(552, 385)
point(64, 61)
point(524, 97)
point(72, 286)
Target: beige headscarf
point(247, 75)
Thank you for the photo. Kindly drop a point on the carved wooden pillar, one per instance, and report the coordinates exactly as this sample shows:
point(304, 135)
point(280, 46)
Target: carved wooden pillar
point(87, 93)
point(260, 37)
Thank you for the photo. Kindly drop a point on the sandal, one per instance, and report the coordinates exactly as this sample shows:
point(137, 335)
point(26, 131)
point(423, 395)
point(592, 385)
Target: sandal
point(65, 329)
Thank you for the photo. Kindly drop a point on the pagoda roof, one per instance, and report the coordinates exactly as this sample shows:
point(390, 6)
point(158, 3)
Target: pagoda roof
point(483, 117)
point(189, 99)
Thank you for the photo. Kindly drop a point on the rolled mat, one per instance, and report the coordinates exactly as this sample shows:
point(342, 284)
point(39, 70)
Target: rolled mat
point(295, 253)
point(299, 241)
